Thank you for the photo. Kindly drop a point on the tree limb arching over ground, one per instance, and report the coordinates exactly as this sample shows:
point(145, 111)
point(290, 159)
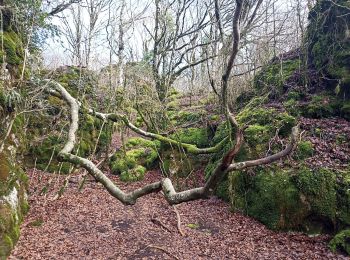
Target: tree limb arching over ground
point(226, 165)
point(165, 184)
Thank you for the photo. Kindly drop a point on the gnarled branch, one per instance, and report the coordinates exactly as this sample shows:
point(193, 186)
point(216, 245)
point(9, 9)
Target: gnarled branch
point(166, 185)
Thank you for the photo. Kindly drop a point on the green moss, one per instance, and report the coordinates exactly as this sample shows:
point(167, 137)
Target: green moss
point(262, 124)
point(13, 49)
point(173, 105)
point(141, 153)
point(135, 174)
point(343, 198)
point(267, 117)
point(345, 110)
point(315, 201)
point(304, 150)
point(328, 44)
point(296, 95)
point(5, 246)
point(320, 188)
point(341, 242)
point(193, 225)
point(292, 106)
point(45, 150)
point(222, 190)
point(188, 116)
point(270, 197)
point(141, 142)
point(9, 228)
point(196, 136)
point(322, 105)
point(256, 134)
point(36, 223)
point(274, 75)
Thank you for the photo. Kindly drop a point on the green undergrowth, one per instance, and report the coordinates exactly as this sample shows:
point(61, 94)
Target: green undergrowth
point(140, 155)
point(46, 149)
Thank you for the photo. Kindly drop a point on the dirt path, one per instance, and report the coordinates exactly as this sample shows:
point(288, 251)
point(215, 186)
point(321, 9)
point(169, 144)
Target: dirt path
point(91, 224)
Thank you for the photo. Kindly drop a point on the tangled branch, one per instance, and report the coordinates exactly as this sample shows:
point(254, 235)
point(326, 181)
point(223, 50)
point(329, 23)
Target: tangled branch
point(165, 184)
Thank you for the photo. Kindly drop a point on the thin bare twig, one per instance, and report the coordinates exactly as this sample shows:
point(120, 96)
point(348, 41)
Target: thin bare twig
point(178, 221)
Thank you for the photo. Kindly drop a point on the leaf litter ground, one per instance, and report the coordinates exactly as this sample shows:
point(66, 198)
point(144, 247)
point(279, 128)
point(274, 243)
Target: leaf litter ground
point(91, 224)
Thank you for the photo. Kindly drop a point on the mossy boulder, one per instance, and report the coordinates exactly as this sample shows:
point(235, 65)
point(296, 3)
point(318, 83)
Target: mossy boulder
point(304, 150)
point(341, 242)
point(13, 200)
point(315, 201)
point(140, 155)
point(274, 76)
point(196, 136)
point(269, 196)
point(48, 129)
point(322, 105)
point(262, 124)
point(12, 53)
point(329, 43)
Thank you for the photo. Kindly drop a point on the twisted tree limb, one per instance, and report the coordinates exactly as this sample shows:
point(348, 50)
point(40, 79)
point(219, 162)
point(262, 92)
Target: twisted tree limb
point(227, 164)
point(165, 184)
point(190, 148)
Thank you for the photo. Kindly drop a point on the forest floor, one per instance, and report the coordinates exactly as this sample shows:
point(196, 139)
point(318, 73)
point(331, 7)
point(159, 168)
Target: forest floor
point(91, 224)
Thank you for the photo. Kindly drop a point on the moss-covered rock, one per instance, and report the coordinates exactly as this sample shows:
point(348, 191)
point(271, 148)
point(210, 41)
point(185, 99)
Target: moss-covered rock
point(315, 201)
point(319, 187)
point(261, 126)
point(196, 136)
point(329, 44)
point(13, 52)
point(134, 174)
point(322, 105)
point(13, 201)
point(341, 242)
point(343, 198)
point(345, 110)
point(141, 154)
point(274, 76)
point(304, 150)
point(269, 196)
point(48, 130)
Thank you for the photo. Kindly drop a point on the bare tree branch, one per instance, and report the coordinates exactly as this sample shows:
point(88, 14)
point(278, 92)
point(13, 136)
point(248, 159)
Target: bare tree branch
point(165, 184)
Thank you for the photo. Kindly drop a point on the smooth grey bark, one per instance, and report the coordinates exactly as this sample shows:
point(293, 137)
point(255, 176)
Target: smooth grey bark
point(165, 184)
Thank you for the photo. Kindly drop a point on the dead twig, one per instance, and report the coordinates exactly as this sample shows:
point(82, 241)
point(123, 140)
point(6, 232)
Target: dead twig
point(162, 249)
point(159, 223)
point(178, 221)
